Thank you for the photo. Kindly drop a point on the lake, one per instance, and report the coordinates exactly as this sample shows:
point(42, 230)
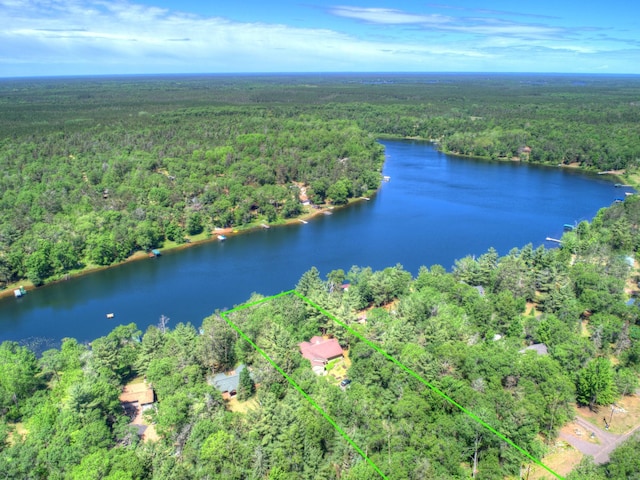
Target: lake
point(436, 208)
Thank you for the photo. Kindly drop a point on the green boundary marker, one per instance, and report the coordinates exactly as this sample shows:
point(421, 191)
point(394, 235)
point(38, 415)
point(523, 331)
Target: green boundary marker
point(292, 381)
point(388, 357)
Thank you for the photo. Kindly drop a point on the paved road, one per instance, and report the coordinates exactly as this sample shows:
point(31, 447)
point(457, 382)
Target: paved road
point(600, 451)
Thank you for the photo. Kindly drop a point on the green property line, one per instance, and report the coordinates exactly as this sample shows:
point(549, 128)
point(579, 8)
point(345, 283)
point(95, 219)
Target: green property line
point(432, 387)
point(291, 381)
point(388, 357)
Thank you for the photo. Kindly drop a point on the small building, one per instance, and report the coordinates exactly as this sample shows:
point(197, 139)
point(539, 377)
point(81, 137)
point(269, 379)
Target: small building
point(539, 348)
point(524, 152)
point(227, 382)
point(135, 399)
point(320, 351)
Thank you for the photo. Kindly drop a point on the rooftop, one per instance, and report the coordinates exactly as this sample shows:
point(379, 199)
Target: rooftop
point(229, 381)
point(137, 392)
point(319, 349)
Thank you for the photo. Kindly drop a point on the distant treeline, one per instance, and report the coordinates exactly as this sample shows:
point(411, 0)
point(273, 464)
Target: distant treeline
point(96, 168)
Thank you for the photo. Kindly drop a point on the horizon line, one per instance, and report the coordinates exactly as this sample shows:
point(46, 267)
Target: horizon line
point(304, 73)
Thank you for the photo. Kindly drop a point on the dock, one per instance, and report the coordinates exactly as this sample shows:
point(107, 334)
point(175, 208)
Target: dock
point(549, 239)
point(620, 185)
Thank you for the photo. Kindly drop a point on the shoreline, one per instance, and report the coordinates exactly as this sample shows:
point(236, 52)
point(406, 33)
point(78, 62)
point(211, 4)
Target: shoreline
point(620, 176)
point(211, 237)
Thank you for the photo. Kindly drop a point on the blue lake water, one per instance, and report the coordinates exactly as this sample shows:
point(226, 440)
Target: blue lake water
point(435, 209)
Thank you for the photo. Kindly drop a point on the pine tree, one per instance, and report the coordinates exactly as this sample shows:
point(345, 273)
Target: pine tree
point(246, 388)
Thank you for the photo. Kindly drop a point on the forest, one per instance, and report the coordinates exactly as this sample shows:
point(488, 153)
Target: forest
point(96, 169)
point(465, 331)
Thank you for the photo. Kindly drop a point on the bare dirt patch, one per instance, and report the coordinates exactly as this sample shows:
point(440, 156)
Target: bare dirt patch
point(18, 432)
point(626, 415)
point(580, 432)
point(532, 309)
point(561, 459)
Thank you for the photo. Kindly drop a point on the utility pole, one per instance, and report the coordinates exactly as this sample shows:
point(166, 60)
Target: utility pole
point(613, 406)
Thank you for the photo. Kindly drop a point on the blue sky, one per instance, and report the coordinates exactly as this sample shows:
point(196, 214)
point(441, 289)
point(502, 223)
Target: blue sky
point(84, 37)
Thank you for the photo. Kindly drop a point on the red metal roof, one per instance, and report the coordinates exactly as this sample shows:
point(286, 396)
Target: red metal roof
point(320, 349)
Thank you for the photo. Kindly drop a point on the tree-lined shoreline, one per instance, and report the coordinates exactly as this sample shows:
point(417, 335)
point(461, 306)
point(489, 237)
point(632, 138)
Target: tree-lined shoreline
point(96, 169)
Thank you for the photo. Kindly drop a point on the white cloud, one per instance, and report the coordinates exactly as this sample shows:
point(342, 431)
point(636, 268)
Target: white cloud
point(38, 37)
point(388, 16)
point(97, 32)
point(472, 25)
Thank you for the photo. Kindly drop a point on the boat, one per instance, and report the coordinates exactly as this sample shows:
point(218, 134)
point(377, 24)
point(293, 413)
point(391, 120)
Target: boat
point(155, 252)
point(110, 315)
point(19, 292)
point(222, 238)
point(568, 227)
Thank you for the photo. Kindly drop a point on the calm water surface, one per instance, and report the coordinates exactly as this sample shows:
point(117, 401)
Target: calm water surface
point(435, 209)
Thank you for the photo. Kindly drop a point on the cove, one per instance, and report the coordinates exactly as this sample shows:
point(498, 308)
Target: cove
point(436, 208)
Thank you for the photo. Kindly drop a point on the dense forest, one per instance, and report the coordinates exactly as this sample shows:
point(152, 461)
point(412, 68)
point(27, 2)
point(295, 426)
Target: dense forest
point(97, 169)
point(464, 331)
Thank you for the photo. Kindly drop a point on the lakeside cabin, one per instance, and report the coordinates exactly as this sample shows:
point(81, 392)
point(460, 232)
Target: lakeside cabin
point(135, 399)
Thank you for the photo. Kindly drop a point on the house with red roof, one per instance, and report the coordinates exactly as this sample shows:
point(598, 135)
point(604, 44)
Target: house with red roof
point(320, 351)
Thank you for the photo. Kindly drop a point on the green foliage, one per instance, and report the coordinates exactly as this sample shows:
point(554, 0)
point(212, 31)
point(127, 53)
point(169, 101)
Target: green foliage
point(18, 381)
point(74, 193)
point(93, 191)
point(625, 462)
point(595, 383)
point(246, 388)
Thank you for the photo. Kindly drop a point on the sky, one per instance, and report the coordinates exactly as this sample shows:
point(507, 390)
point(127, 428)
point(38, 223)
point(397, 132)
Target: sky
point(98, 37)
